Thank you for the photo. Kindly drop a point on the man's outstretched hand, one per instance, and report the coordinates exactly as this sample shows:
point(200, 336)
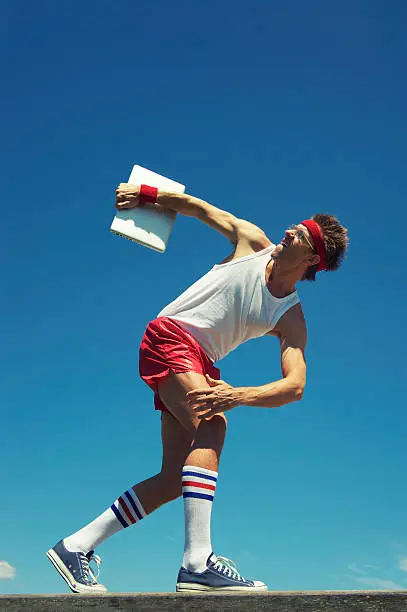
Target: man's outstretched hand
point(219, 397)
point(127, 196)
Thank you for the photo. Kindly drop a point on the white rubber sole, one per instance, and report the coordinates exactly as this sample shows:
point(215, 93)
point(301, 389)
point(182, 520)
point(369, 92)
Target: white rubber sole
point(76, 587)
point(193, 587)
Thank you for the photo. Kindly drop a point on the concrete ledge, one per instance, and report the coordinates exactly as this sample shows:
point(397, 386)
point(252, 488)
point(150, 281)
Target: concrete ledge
point(285, 601)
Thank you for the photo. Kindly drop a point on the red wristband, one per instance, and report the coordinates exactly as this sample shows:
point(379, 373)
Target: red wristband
point(148, 195)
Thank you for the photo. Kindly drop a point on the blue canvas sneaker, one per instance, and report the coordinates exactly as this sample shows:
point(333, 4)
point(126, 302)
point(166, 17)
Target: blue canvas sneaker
point(75, 570)
point(220, 575)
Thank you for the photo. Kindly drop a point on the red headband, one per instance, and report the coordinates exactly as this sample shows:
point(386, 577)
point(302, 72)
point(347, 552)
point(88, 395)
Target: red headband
point(318, 239)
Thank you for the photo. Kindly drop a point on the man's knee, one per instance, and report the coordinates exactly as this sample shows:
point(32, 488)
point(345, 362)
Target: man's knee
point(172, 483)
point(223, 416)
point(218, 419)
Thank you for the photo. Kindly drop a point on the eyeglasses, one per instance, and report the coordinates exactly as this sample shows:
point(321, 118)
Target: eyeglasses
point(301, 235)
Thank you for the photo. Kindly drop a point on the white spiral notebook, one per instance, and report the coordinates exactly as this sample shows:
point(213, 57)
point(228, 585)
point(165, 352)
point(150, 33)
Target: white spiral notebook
point(149, 224)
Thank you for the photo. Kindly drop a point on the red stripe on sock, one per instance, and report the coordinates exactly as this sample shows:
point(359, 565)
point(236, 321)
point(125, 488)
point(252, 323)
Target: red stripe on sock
point(127, 511)
point(201, 485)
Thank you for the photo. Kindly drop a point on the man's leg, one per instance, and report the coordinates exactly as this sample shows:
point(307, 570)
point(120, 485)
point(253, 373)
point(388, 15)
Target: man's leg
point(143, 498)
point(71, 556)
point(200, 472)
point(201, 570)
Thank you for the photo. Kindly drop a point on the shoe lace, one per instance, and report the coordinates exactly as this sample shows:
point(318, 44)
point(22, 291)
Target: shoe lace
point(98, 562)
point(87, 570)
point(228, 567)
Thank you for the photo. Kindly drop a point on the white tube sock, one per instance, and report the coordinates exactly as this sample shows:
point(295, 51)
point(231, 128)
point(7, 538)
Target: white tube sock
point(125, 511)
point(198, 490)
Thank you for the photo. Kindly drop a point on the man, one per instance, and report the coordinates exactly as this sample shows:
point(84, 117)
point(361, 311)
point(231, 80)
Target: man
point(250, 294)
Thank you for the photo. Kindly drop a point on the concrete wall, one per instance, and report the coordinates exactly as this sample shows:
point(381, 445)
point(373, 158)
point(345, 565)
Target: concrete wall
point(326, 601)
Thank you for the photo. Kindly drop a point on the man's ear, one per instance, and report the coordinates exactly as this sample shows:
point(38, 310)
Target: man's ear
point(313, 260)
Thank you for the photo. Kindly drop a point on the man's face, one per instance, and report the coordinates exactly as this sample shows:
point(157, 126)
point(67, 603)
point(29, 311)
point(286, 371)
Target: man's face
point(296, 247)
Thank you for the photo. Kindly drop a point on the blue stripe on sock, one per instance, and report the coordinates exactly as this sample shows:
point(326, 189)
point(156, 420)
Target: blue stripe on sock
point(118, 515)
point(199, 496)
point(133, 505)
point(199, 475)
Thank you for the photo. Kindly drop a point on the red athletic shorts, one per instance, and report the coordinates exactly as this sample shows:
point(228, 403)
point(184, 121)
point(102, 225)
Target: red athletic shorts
point(167, 347)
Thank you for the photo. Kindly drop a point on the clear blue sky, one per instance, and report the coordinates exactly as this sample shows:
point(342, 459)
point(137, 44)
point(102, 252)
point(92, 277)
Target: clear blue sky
point(273, 111)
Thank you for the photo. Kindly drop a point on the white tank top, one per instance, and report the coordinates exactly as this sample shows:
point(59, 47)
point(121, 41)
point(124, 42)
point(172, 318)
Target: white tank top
point(230, 305)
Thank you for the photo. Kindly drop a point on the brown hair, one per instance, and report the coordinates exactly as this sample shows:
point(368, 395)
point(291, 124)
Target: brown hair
point(336, 243)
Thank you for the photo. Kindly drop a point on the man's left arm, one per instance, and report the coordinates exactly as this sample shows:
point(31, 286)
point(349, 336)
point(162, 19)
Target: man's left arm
point(293, 339)
point(219, 396)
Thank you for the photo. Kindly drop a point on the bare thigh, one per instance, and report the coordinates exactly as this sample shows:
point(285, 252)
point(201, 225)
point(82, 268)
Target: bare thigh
point(173, 391)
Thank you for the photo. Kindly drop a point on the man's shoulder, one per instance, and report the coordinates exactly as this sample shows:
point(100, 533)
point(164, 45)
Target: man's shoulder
point(243, 248)
point(292, 319)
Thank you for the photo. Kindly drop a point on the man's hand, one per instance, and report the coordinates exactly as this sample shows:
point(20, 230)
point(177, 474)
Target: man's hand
point(127, 196)
point(219, 397)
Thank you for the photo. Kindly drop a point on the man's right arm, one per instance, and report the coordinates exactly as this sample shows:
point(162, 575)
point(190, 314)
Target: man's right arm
point(226, 223)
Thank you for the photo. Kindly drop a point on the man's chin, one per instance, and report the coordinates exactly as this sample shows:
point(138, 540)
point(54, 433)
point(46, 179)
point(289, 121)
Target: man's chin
point(277, 251)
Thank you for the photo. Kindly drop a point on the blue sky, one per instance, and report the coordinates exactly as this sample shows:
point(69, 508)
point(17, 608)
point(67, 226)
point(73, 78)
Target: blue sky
point(273, 111)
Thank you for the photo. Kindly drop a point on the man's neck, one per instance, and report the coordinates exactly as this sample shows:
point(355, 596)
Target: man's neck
point(281, 282)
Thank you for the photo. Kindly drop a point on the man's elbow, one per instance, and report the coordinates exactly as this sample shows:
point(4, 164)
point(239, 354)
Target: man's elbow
point(298, 392)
